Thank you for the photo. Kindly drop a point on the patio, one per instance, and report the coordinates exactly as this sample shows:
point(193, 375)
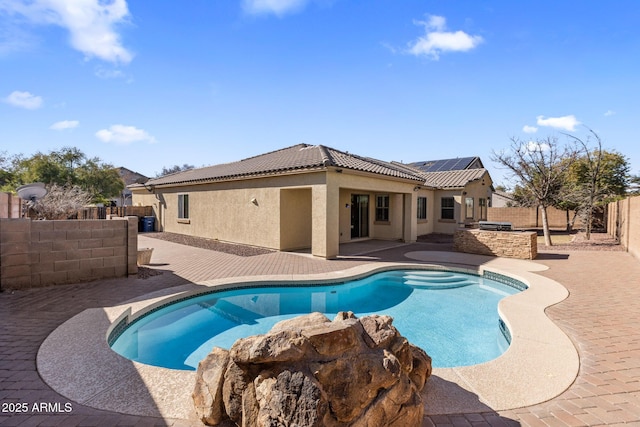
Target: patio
point(601, 317)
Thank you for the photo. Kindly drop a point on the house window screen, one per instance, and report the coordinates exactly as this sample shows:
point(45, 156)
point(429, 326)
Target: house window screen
point(446, 208)
point(183, 206)
point(382, 208)
point(422, 208)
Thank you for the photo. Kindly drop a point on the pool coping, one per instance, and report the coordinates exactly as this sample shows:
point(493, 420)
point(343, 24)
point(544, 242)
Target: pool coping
point(541, 362)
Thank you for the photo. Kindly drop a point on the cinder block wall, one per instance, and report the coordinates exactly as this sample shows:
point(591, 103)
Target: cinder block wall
point(45, 253)
point(521, 245)
point(623, 223)
point(531, 217)
point(10, 206)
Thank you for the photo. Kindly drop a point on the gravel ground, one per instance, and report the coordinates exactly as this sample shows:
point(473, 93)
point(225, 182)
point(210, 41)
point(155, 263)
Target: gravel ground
point(598, 242)
point(211, 244)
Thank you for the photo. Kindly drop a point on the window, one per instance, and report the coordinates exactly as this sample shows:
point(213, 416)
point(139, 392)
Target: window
point(483, 208)
point(468, 207)
point(382, 208)
point(183, 206)
point(422, 208)
point(446, 208)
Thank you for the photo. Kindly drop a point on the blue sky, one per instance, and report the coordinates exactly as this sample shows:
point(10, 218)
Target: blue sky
point(152, 84)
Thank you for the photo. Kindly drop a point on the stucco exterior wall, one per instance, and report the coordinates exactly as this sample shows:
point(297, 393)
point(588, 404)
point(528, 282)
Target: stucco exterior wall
point(396, 190)
point(425, 226)
point(447, 226)
point(295, 217)
point(246, 212)
point(295, 211)
point(477, 190)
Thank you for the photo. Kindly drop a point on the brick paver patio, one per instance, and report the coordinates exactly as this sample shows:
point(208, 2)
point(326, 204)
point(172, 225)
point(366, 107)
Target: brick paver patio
point(601, 316)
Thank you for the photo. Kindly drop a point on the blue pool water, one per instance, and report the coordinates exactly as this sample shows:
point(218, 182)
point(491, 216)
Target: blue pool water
point(452, 316)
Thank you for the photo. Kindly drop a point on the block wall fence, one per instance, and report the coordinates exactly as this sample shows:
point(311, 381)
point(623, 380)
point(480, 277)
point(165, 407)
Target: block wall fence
point(623, 223)
point(45, 253)
point(531, 217)
point(10, 206)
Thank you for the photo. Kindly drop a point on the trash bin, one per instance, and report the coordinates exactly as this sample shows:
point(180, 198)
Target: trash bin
point(148, 224)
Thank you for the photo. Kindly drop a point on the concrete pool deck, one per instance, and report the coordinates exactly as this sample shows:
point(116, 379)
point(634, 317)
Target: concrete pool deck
point(602, 322)
point(540, 363)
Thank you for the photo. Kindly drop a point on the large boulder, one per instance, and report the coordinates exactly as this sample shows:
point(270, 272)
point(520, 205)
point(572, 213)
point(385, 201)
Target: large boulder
point(311, 371)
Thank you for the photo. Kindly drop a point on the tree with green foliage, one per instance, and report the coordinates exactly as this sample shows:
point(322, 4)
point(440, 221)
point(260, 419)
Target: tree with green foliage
point(539, 167)
point(66, 168)
point(634, 185)
point(596, 178)
point(174, 169)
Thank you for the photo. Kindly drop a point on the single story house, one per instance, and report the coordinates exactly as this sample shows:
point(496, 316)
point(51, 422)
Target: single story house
point(503, 199)
point(129, 177)
point(313, 196)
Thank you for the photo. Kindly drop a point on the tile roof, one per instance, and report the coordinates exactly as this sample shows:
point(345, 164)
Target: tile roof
point(297, 157)
point(452, 179)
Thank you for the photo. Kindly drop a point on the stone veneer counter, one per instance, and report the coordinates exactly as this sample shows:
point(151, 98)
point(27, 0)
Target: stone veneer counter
point(508, 244)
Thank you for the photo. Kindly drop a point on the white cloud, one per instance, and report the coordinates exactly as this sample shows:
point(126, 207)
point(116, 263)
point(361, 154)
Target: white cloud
point(529, 129)
point(436, 40)
point(65, 124)
point(536, 146)
point(105, 73)
point(609, 113)
point(24, 100)
point(123, 135)
point(91, 23)
point(277, 7)
point(565, 122)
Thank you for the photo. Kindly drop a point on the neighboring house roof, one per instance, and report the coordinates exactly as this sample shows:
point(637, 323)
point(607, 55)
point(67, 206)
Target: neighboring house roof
point(453, 179)
point(460, 163)
point(295, 158)
point(504, 195)
point(502, 199)
point(131, 177)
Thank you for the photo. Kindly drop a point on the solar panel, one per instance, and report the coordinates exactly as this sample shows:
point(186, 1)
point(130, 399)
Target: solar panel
point(444, 165)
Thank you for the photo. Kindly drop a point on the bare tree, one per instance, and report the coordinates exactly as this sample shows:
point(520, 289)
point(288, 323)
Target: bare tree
point(60, 202)
point(597, 176)
point(539, 167)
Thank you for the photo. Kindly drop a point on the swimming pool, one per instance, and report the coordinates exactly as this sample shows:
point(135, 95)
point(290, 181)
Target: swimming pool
point(451, 315)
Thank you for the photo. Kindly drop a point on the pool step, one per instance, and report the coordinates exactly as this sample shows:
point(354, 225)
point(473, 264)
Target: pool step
point(430, 285)
point(234, 313)
point(442, 279)
point(431, 273)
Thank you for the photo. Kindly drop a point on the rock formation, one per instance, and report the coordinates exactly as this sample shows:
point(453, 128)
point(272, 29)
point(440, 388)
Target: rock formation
point(310, 371)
